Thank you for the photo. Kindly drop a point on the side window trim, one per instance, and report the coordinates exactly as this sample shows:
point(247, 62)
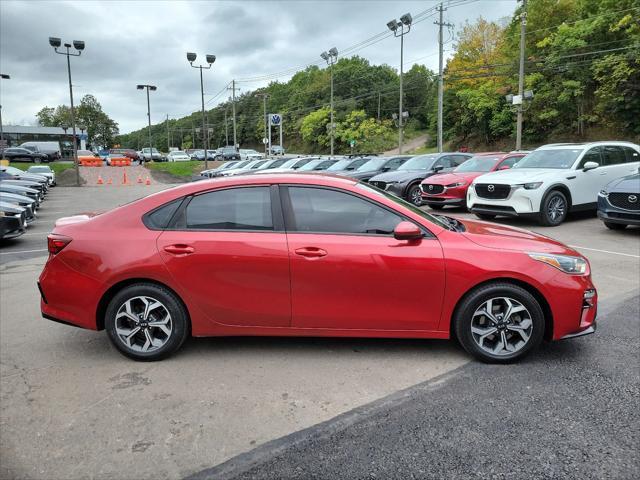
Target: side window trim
point(290, 219)
point(179, 220)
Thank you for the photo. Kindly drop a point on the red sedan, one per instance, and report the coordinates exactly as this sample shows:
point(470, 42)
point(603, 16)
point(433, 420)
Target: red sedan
point(309, 255)
point(445, 189)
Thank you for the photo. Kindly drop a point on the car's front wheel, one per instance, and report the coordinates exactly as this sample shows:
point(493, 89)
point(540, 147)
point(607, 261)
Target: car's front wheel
point(146, 322)
point(554, 208)
point(615, 226)
point(499, 323)
point(414, 195)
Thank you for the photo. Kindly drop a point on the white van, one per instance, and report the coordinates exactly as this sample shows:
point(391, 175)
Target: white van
point(51, 149)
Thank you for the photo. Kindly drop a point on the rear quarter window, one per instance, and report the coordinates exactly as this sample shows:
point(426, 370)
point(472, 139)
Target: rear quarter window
point(160, 218)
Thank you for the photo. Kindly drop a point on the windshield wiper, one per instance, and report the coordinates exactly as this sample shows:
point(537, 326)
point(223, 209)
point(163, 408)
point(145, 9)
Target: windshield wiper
point(453, 224)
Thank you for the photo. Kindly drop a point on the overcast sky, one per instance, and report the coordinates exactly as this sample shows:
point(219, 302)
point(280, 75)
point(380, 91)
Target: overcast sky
point(135, 42)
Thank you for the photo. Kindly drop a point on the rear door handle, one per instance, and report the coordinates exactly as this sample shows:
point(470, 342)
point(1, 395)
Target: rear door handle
point(179, 249)
point(311, 252)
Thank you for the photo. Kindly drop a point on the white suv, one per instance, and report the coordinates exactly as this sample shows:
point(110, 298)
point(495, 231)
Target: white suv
point(553, 180)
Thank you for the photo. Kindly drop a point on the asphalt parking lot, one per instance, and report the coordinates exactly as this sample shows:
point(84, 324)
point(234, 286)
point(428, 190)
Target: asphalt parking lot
point(73, 407)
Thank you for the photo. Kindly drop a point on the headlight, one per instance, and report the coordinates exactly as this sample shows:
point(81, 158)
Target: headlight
point(566, 263)
point(603, 193)
point(530, 186)
point(457, 184)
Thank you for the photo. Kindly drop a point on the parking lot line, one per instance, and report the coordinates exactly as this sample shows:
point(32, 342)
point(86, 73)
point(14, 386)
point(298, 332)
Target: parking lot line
point(605, 251)
point(23, 251)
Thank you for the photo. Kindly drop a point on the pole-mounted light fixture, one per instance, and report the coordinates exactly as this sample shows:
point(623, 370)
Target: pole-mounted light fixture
point(400, 29)
point(392, 25)
point(191, 57)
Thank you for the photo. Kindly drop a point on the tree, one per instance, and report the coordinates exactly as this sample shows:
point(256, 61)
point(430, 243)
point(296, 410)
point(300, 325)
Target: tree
point(101, 129)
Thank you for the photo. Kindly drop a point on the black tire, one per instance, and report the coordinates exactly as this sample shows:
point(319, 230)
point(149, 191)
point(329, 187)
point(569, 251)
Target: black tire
point(476, 298)
point(615, 226)
point(180, 326)
point(550, 216)
point(414, 195)
point(436, 207)
point(485, 216)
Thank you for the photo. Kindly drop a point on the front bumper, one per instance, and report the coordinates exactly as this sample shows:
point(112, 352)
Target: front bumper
point(611, 214)
point(581, 333)
point(520, 202)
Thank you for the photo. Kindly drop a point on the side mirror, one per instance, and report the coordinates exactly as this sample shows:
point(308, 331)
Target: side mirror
point(385, 169)
point(437, 168)
point(504, 167)
point(590, 166)
point(407, 231)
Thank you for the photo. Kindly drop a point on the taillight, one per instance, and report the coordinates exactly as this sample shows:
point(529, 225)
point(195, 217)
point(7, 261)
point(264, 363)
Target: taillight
point(55, 243)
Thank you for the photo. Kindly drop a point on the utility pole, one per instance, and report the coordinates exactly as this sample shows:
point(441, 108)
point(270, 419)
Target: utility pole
point(233, 111)
point(523, 31)
point(378, 106)
point(226, 128)
point(440, 24)
point(168, 142)
point(3, 76)
point(264, 109)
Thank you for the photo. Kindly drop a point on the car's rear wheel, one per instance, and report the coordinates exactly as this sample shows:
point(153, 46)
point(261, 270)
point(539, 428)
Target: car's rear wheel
point(485, 216)
point(414, 195)
point(146, 322)
point(554, 208)
point(499, 323)
point(615, 226)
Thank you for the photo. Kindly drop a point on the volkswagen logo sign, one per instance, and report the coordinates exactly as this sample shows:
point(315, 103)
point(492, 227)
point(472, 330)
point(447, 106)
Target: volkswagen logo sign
point(632, 198)
point(431, 188)
point(491, 188)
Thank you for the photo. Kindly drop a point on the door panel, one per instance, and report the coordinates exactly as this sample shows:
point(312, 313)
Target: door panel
point(236, 278)
point(225, 253)
point(366, 282)
point(585, 187)
point(347, 270)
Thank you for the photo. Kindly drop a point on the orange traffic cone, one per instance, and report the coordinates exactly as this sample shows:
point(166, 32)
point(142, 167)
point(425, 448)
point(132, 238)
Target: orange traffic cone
point(100, 182)
point(148, 182)
point(139, 178)
point(124, 178)
point(110, 181)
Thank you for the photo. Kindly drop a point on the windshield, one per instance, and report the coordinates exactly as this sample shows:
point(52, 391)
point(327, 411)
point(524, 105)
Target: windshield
point(39, 169)
point(404, 203)
point(258, 164)
point(478, 164)
point(310, 165)
point(373, 164)
point(339, 165)
point(560, 159)
point(422, 162)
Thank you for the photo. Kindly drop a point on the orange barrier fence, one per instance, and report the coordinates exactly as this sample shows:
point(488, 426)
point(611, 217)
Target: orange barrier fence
point(120, 162)
point(90, 161)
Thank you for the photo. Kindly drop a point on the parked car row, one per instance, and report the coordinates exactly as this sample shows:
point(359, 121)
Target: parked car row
point(545, 184)
point(21, 194)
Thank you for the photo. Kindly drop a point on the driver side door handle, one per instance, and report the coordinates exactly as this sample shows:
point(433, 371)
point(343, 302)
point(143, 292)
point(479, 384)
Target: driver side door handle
point(179, 249)
point(311, 252)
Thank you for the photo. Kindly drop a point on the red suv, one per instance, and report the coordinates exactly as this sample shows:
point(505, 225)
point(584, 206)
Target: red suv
point(451, 188)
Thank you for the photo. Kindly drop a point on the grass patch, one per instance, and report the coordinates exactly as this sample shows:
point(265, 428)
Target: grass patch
point(423, 150)
point(180, 169)
point(55, 166)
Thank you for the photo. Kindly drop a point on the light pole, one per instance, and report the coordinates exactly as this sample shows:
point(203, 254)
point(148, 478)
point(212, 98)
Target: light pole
point(399, 29)
point(331, 57)
point(264, 113)
point(79, 46)
point(523, 32)
point(191, 57)
point(153, 88)
point(3, 76)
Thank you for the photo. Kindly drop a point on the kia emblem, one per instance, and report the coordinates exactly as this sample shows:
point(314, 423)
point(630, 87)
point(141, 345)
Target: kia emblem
point(491, 188)
point(632, 198)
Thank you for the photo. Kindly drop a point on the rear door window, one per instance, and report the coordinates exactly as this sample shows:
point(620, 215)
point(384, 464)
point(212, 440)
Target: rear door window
point(613, 155)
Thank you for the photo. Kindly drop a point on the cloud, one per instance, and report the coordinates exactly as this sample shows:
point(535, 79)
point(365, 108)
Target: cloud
point(131, 42)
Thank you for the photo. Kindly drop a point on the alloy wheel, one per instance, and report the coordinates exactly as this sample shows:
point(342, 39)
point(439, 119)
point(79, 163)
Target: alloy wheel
point(143, 324)
point(415, 196)
point(501, 326)
point(556, 208)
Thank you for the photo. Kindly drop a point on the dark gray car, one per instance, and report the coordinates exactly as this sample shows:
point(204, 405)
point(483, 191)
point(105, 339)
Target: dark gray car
point(405, 181)
point(375, 166)
point(619, 202)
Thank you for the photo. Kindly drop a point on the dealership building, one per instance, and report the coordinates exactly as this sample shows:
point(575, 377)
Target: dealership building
point(14, 135)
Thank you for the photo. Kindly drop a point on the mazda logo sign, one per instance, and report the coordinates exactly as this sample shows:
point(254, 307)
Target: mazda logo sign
point(431, 188)
point(632, 198)
point(491, 188)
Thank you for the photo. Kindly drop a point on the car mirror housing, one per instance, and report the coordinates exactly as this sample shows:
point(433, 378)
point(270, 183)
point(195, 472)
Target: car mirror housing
point(437, 168)
point(590, 166)
point(407, 231)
